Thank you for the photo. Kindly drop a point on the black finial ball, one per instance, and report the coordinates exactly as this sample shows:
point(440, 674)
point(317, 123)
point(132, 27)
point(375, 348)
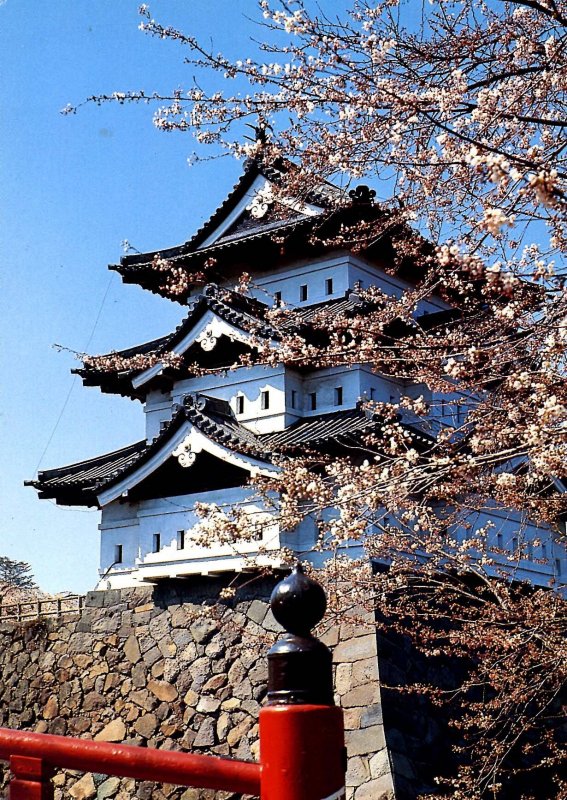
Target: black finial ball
point(298, 602)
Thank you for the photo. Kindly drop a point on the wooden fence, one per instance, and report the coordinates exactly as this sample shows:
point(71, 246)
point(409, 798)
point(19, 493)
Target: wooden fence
point(35, 609)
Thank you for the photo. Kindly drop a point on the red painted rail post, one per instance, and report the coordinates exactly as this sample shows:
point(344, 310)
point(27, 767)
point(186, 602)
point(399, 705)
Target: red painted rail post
point(302, 751)
point(32, 779)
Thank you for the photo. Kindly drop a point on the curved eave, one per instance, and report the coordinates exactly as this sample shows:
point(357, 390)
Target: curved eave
point(234, 324)
point(253, 169)
point(76, 484)
point(251, 172)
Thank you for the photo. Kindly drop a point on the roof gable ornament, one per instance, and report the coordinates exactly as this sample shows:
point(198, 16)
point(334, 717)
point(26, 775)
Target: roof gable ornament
point(261, 202)
point(362, 195)
point(207, 339)
point(184, 453)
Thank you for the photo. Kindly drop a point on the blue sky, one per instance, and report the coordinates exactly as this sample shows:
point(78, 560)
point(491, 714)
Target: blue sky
point(71, 189)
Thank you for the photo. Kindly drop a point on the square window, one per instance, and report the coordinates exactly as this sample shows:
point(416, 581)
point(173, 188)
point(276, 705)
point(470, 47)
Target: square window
point(240, 404)
point(180, 540)
point(264, 400)
point(372, 392)
point(544, 550)
point(118, 554)
point(329, 286)
point(313, 401)
point(499, 541)
point(338, 395)
point(277, 298)
point(303, 292)
point(293, 398)
point(156, 542)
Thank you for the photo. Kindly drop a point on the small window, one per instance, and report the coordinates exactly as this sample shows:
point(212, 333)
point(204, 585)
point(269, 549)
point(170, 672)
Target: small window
point(293, 398)
point(544, 550)
point(118, 554)
point(329, 286)
point(313, 400)
point(277, 298)
point(338, 395)
point(157, 542)
point(558, 566)
point(264, 400)
point(372, 392)
point(499, 541)
point(515, 546)
point(530, 551)
point(181, 540)
point(303, 292)
point(240, 404)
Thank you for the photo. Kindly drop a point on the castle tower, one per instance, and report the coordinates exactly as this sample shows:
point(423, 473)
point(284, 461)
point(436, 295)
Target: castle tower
point(214, 417)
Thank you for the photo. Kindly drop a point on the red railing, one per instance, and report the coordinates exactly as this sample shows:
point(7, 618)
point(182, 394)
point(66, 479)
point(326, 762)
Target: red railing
point(34, 756)
point(301, 758)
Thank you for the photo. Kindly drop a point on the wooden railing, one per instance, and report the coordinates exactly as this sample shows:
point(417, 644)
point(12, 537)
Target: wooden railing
point(36, 609)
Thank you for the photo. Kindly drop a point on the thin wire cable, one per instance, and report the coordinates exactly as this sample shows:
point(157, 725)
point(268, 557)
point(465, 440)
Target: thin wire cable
point(74, 379)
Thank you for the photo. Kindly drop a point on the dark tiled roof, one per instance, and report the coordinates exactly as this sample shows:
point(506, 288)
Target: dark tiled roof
point(83, 478)
point(325, 195)
point(79, 484)
point(243, 312)
point(321, 430)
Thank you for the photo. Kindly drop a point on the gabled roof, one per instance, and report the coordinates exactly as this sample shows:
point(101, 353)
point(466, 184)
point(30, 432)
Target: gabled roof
point(100, 480)
point(248, 223)
point(124, 372)
point(84, 482)
point(136, 370)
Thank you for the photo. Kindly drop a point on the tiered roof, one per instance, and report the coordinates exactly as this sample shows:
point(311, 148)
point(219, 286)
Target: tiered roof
point(134, 371)
point(333, 433)
point(284, 229)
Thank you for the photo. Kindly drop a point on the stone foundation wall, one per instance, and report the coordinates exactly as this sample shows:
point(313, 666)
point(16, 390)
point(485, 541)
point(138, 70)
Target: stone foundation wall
point(171, 668)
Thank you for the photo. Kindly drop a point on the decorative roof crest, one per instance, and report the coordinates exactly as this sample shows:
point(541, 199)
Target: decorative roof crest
point(362, 195)
point(261, 202)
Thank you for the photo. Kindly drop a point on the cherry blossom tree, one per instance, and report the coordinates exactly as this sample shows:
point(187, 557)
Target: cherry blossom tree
point(456, 112)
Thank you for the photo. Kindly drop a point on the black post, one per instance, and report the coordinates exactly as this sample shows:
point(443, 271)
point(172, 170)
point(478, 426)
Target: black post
point(299, 665)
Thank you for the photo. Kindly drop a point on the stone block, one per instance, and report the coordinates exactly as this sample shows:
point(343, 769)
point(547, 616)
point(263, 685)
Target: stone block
point(114, 731)
point(206, 734)
point(372, 715)
point(207, 704)
point(151, 656)
point(163, 690)
point(343, 678)
point(132, 649)
point(361, 647)
point(146, 725)
point(108, 788)
point(380, 763)
point(257, 611)
point(202, 630)
point(378, 789)
point(365, 741)
point(352, 718)
point(330, 636)
point(94, 599)
point(84, 788)
point(365, 671)
point(358, 771)
point(364, 695)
